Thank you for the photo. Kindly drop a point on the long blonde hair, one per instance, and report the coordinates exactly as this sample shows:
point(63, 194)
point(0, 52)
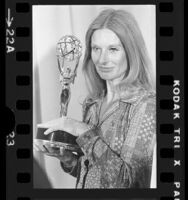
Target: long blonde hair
point(126, 28)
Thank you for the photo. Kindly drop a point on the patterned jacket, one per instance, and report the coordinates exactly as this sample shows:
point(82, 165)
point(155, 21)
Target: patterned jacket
point(118, 150)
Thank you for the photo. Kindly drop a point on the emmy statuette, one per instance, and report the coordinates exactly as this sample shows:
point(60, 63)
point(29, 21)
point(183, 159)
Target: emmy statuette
point(68, 51)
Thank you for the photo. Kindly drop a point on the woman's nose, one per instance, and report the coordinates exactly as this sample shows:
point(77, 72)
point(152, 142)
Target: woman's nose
point(103, 58)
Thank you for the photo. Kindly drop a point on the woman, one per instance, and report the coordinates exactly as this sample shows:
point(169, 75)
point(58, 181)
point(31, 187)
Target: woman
point(117, 134)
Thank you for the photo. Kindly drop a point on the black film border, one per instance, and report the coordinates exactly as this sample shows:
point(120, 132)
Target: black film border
point(169, 55)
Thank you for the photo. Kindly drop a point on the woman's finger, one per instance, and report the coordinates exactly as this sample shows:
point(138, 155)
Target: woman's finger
point(35, 147)
point(51, 123)
point(50, 130)
point(62, 149)
point(39, 147)
point(45, 125)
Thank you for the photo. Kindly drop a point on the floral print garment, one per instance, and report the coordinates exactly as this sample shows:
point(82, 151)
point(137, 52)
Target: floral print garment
point(118, 150)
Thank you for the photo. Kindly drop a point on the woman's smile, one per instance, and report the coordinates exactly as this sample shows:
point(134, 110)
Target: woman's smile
point(105, 69)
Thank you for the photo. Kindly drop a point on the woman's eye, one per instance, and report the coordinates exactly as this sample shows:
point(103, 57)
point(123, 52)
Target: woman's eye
point(95, 48)
point(113, 49)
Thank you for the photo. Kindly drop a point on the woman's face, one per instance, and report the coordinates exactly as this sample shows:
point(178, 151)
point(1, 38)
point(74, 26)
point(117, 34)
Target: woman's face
point(108, 55)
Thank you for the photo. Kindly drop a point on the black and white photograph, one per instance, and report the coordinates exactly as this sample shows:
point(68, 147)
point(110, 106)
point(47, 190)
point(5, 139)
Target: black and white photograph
point(94, 96)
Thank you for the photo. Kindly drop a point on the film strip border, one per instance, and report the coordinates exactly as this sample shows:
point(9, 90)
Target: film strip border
point(169, 97)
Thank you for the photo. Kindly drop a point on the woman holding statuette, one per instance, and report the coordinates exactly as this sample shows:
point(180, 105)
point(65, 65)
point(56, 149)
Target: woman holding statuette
point(118, 132)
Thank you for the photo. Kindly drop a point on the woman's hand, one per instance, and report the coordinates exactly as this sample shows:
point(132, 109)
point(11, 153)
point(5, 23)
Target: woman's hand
point(66, 124)
point(67, 157)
